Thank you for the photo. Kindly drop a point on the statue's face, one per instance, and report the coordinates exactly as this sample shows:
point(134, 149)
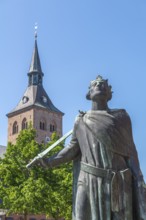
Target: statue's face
point(99, 91)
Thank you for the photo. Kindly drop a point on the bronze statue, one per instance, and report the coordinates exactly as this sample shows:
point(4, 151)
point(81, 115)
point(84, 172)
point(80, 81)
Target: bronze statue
point(108, 182)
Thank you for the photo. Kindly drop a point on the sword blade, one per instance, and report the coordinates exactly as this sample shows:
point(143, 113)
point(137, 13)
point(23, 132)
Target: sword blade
point(41, 155)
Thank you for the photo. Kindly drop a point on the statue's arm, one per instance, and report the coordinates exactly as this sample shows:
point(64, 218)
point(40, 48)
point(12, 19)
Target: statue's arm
point(133, 164)
point(65, 155)
point(133, 161)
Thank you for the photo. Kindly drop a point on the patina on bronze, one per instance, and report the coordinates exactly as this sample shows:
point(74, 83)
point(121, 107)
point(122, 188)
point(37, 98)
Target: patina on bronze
point(108, 182)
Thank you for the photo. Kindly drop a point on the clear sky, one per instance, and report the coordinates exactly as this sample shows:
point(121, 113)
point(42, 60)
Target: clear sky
point(77, 40)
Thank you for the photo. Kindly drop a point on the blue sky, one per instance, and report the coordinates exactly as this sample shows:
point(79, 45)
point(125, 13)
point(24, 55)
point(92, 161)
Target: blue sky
point(77, 40)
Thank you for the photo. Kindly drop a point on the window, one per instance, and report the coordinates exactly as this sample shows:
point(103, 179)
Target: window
point(24, 124)
point(52, 127)
point(15, 128)
point(35, 79)
point(40, 79)
point(42, 125)
point(44, 99)
point(25, 99)
point(30, 80)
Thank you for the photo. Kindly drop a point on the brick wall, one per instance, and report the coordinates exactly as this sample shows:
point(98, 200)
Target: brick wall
point(35, 116)
point(50, 118)
point(18, 118)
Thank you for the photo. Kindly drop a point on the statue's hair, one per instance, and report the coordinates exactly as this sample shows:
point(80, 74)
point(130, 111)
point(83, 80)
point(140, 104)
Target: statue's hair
point(99, 79)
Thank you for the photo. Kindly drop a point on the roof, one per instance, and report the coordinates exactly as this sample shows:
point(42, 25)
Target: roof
point(35, 95)
point(2, 150)
point(35, 65)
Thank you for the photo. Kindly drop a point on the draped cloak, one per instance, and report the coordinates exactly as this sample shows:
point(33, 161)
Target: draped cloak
point(103, 140)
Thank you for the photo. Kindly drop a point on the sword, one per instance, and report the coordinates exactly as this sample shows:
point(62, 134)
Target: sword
point(41, 155)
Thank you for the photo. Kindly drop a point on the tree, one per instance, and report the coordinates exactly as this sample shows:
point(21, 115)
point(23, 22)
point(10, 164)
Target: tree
point(37, 190)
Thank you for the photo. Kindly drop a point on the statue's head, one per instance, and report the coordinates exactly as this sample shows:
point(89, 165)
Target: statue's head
point(99, 88)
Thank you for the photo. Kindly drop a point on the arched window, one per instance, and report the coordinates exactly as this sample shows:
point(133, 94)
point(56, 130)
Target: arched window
point(42, 125)
point(53, 127)
point(15, 128)
point(24, 124)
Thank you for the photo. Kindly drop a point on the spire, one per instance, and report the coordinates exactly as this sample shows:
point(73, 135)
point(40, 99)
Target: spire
point(35, 65)
point(35, 71)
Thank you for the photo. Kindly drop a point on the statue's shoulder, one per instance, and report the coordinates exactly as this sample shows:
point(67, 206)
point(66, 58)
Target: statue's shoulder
point(117, 110)
point(82, 113)
point(80, 116)
point(119, 113)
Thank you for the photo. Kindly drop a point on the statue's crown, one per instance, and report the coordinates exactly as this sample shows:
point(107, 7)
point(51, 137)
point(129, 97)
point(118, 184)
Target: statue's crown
point(98, 80)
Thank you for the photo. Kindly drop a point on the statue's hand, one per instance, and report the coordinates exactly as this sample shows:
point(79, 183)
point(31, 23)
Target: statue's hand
point(42, 162)
point(37, 161)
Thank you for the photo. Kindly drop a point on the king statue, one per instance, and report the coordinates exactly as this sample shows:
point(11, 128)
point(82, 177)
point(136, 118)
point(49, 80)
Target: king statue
point(108, 183)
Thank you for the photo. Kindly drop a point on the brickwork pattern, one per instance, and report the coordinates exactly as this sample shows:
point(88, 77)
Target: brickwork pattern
point(18, 118)
point(35, 116)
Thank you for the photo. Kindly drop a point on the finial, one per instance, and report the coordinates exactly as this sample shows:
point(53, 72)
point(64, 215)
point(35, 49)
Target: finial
point(35, 28)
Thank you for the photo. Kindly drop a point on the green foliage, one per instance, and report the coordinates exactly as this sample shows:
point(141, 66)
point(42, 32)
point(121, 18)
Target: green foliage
point(38, 190)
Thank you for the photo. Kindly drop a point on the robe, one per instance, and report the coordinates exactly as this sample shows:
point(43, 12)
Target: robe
point(102, 142)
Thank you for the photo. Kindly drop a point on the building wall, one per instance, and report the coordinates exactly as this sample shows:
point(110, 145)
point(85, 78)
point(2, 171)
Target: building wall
point(50, 119)
point(36, 116)
point(18, 118)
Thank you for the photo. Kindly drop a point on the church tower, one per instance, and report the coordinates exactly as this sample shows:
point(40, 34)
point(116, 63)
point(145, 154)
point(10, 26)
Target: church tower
point(35, 106)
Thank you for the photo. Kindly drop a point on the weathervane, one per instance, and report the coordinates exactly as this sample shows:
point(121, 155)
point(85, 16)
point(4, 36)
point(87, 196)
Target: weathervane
point(35, 28)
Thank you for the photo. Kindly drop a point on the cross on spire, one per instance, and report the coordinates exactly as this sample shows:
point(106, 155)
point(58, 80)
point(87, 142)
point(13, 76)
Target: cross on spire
point(35, 28)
